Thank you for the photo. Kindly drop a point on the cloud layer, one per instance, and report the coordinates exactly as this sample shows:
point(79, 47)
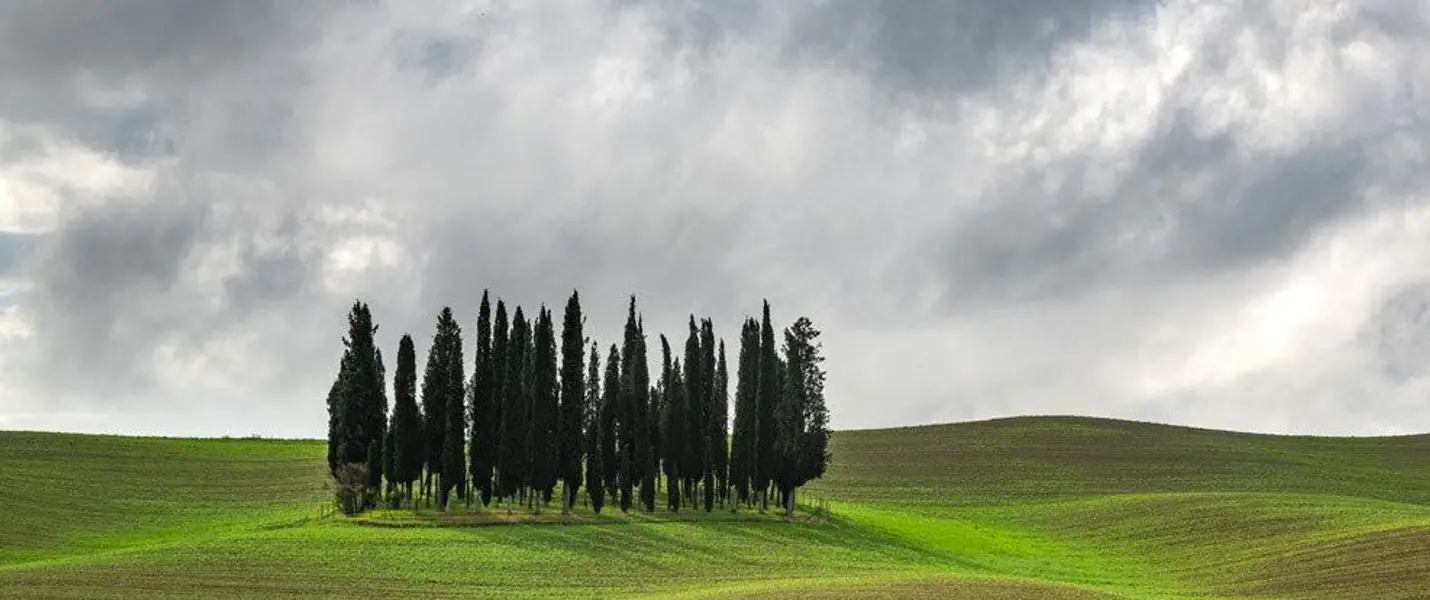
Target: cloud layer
point(1209, 213)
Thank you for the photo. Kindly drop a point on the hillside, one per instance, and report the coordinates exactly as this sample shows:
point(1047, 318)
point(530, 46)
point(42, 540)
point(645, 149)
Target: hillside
point(1013, 508)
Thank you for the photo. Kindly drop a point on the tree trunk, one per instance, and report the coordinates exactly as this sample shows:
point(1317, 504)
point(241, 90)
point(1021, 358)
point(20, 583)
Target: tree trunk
point(566, 500)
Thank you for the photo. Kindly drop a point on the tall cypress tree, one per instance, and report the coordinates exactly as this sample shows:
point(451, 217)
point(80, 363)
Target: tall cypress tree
point(631, 470)
point(707, 411)
point(742, 452)
point(434, 402)
point(643, 462)
point(802, 439)
point(409, 452)
point(573, 396)
point(767, 398)
point(545, 408)
point(514, 464)
point(692, 458)
point(500, 388)
point(484, 397)
point(376, 466)
point(720, 407)
point(673, 426)
point(454, 446)
point(613, 445)
point(595, 432)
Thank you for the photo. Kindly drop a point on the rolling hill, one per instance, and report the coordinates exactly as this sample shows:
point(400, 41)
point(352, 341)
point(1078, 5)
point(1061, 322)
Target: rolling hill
point(1035, 507)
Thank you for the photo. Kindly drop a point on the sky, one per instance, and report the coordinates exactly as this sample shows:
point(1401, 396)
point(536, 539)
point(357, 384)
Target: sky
point(1210, 213)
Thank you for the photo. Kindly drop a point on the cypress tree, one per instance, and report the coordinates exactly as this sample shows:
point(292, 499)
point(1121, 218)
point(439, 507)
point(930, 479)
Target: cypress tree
point(337, 408)
point(434, 404)
point(406, 431)
point(720, 440)
point(454, 446)
point(692, 458)
point(545, 408)
point(767, 398)
point(514, 457)
point(631, 469)
point(673, 426)
point(637, 389)
point(742, 453)
point(707, 411)
point(802, 440)
point(611, 422)
point(595, 411)
point(680, 395)
point(573, 397)
point(484, 398)
point(376, 467)
point(500, 378)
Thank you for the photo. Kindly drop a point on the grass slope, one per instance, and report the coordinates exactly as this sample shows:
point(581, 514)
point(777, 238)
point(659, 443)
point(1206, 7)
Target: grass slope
point(1015, 508)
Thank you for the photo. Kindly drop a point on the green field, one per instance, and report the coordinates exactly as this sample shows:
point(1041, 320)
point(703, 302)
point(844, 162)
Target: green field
point(1059, 508)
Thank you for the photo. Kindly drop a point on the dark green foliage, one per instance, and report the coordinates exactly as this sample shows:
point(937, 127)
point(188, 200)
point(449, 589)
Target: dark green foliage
point(645, 459)
point(408, 452)
point(544, 407)
point(434, 400)
point(336, 405)
point(679, 438)
point(482, 441)
point(573, 396)
point(610, 422)
point(632, 468)
point(358, 409)
point(454, 441)
point(766, 399)
point(692, 459)
point(595, 464)
point(742, 446)
point(444, 409)
point(514, 464)
point(672, 426)
point(720, 437)
point(802, 435)
point(501, 357)
point(708, 430)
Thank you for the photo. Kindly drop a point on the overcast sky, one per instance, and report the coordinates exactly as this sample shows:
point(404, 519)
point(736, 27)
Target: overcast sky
point(1211, 213)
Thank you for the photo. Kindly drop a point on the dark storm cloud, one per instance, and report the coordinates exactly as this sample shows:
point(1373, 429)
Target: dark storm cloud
point(991, 208)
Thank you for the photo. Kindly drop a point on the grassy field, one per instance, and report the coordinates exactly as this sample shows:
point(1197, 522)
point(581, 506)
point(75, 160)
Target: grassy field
point(1059, 508)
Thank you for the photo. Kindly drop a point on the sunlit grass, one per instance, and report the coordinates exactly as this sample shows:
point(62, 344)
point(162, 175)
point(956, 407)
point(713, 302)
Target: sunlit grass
point(1022, 508)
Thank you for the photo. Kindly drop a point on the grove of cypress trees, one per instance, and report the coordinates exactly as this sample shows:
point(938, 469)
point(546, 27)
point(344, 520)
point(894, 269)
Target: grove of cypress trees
point(595, 409)
point(767, 398)
point(720, 438)
point(611, 423)
point(483, 442)
point(573, 396)
point(545, 408)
